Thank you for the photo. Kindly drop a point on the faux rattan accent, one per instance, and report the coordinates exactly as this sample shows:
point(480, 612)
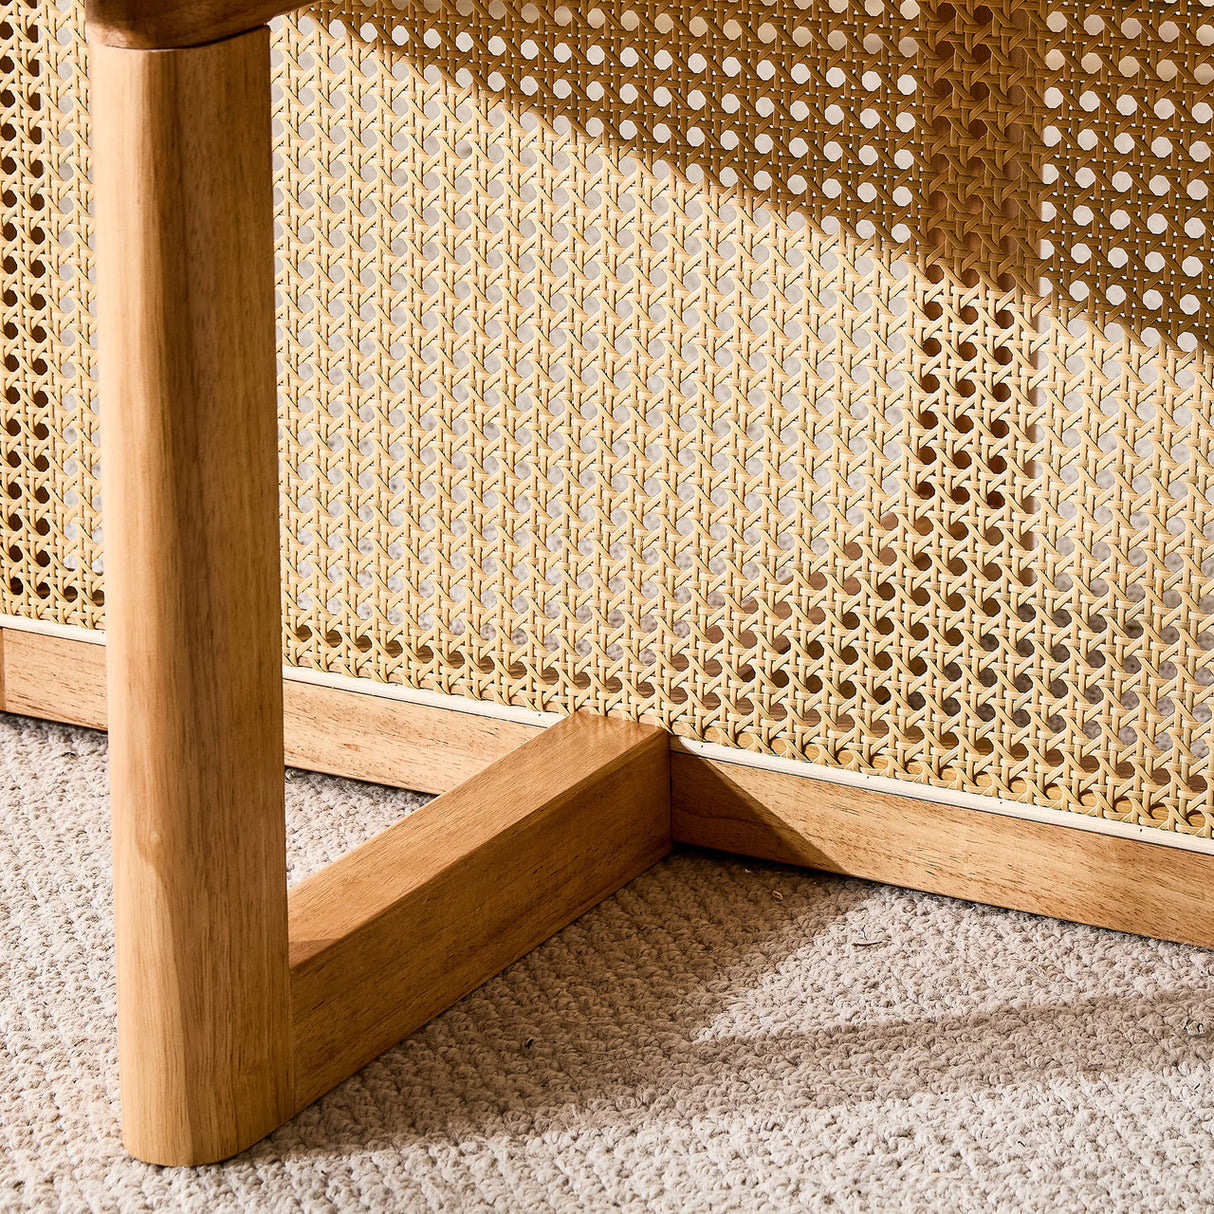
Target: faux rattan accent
point(830, 380)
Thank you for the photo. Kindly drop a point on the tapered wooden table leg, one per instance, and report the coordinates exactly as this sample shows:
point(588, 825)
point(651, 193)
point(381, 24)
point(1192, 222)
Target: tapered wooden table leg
point(189, 449)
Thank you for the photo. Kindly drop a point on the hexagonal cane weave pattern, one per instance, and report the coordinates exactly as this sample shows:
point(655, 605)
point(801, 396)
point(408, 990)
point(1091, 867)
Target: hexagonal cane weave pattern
point(830, 380)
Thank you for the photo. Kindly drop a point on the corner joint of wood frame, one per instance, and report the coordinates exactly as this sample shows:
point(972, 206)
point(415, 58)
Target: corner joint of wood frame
point(397, 930)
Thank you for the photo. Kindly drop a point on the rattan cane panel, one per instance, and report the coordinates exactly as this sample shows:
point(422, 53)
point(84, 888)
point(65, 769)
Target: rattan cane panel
point(747, 406)
point(50, 510)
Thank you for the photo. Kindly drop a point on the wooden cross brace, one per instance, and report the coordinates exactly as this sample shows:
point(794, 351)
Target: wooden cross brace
point(239, 1004)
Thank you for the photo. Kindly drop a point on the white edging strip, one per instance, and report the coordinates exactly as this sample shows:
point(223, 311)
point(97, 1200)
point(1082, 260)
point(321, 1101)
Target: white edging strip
point(64, 632)
point(1067, 819)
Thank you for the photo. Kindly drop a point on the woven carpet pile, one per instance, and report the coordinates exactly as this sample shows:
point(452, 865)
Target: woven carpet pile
point(722, 1035)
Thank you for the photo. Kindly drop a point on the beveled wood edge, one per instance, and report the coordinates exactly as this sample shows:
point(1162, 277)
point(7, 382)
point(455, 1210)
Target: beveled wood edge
point(150, 25)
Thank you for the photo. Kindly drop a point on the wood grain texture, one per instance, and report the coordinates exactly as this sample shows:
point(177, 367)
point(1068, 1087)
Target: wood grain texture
point(164, 24)
point(330, 729)
point(399, 929)
point(190, 457)
point(57, 679)
point(1144, 888)
point(387, 742)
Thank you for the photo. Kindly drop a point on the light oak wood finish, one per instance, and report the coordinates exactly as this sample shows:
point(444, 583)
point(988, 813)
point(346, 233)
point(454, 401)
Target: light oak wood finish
point(53, 678)
point(1144, 888)
point(328, 729)
point(399, 929)
point(186, 319)
point(387, 742)
point(165, 24)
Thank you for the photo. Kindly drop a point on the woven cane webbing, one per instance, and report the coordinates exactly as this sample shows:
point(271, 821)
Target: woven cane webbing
point(48, 443)
point(829, 380)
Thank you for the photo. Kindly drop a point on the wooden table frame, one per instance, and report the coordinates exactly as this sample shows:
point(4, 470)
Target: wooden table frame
point(239, 1004)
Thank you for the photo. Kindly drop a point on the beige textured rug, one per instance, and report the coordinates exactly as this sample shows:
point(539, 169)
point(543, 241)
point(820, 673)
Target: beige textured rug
point(722, 1035)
